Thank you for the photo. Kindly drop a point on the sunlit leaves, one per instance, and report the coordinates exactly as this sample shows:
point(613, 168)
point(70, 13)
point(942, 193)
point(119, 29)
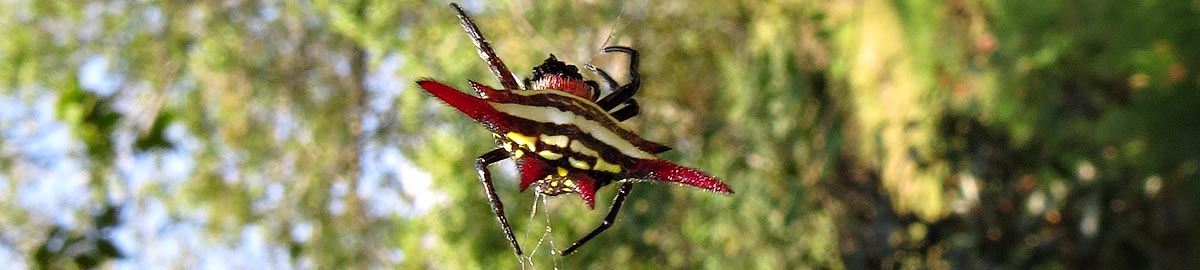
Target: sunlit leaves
point(92, 118)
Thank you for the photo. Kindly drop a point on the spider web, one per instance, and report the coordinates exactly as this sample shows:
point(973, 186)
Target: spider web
point(547, 236)
point(612, 32)
point(617, 26)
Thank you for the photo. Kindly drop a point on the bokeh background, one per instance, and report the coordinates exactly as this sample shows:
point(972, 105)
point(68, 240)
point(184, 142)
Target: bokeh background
point(858, 134)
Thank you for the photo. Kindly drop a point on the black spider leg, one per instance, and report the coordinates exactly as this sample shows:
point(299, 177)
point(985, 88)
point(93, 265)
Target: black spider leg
point(625, 112)
point(624, 92)
point(481, 164)
point(608, 220)
point(506, 77)
point(608, 80)
point(630, 107)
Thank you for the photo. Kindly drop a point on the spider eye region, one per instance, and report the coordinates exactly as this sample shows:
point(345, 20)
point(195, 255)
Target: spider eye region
point(554, 67)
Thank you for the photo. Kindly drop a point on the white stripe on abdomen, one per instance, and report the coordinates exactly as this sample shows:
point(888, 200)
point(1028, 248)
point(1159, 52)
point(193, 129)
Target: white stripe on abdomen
point(560, 117)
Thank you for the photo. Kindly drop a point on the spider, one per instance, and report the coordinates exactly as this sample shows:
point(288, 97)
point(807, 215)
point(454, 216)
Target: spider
point(562, 135)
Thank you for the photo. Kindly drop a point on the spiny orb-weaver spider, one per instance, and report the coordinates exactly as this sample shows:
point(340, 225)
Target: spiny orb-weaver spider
point(562, 138)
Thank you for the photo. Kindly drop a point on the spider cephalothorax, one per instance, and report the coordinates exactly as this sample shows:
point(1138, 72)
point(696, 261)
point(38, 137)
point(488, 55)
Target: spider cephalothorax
point(562, 137)
point(556, 75)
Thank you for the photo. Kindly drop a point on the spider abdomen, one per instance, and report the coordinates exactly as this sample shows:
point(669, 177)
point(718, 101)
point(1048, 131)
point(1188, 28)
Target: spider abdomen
point(557, 136)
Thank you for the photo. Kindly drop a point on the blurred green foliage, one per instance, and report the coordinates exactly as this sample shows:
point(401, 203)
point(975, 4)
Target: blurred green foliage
point(857, 134)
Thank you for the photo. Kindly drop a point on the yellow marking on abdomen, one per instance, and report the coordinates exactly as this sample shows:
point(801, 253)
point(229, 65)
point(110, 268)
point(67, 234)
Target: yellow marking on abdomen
point(523, 140)
point(549, 155)
point(562, 172)
point(578, 164)
point(558, 140)
point(602, 165)
point(578, 147)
